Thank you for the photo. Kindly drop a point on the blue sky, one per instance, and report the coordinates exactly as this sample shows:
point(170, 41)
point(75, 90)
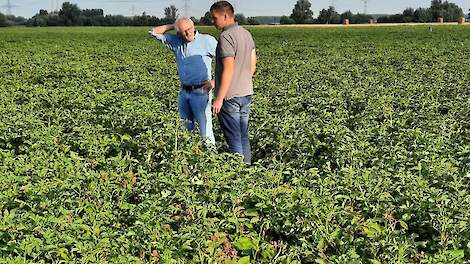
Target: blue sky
point(197, 8)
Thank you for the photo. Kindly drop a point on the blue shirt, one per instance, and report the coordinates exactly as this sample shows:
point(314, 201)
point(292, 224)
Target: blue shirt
point(194, 59)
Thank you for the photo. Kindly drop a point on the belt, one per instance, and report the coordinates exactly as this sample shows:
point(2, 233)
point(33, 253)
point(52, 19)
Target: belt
point(192, 87)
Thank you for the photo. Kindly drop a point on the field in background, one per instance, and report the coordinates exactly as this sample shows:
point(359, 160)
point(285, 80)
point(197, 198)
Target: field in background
point(361, 138)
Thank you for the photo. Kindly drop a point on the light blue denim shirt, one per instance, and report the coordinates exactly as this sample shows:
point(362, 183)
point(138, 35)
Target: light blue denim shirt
point(194, 59)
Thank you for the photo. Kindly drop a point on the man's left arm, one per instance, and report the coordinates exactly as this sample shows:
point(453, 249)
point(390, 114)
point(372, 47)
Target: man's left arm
point(253, 62)
point(226, 79)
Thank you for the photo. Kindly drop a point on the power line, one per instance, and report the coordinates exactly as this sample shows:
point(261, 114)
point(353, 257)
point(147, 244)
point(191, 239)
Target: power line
point(186, 7)
point(365, 6)
point(8, 6)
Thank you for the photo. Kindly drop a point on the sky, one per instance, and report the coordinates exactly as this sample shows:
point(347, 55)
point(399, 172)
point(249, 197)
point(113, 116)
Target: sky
point(197, 8)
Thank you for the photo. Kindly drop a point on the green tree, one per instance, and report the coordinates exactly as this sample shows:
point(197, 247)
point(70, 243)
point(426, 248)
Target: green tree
point(43, 12)
point(206, 19)
point(361, 18)
point(253, 21)
point(347, 15)
point(449, 11)
point(3, 20)
point(329, 16)
point(302, 13)
point(70, 14)
point(195, 20)
point(285, 20)
point(408, 15)
point(422, 15)
point(240, 18)
point(171, 13)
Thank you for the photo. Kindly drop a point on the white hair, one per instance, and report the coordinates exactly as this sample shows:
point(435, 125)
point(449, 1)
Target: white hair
point(177, 22)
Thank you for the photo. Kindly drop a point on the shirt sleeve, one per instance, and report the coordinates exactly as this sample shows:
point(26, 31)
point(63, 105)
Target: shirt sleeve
point(212, 46)
point(169, 40)
point(252, 43)
point(227, 46)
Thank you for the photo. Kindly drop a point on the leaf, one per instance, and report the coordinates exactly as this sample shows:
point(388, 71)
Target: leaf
point(126, 137)
point(251, 212)
point(457, 254)
point(244, 260)
point(321, 245)
point(244, 243)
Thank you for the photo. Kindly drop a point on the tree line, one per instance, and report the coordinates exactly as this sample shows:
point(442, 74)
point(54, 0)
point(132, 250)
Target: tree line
point(71, 15)
point(302, 14)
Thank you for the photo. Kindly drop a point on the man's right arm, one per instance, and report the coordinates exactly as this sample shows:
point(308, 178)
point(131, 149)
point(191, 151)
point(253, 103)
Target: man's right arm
point(169, 40)
point(162, 29)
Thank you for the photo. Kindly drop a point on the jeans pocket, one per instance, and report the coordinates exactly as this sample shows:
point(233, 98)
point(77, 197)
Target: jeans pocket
point(231, 105)
point(200, 91)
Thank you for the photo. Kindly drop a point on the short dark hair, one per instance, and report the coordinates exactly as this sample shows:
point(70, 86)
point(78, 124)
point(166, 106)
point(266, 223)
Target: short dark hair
point(223, 6)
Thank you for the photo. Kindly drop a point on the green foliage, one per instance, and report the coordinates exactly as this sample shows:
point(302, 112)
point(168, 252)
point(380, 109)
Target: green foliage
point(445, 9)
point(253, 21)
point(171, 13)
point(240, 19)
point(329, 16)
point(450, 12)
point(3, 20)
point(302, 12)
point(285, 20)
point(70, 14)
point(206, 19)
point(361, 138)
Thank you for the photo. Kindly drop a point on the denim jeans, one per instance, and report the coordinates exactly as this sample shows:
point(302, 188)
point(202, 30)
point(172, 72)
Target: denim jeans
point(195, 108)
point(233, 119)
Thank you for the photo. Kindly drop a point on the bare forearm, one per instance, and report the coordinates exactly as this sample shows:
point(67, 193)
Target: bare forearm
point(226, 78)
point(225, 84)
point(253, 62)
point(163, 29)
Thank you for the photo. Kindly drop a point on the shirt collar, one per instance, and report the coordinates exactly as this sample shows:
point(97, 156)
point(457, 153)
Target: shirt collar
point(230, 26)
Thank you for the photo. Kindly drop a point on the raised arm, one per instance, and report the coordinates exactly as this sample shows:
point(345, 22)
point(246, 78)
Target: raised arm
point(163, 29)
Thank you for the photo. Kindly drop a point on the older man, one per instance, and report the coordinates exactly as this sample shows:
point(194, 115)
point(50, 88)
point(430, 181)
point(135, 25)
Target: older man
point(194, 52)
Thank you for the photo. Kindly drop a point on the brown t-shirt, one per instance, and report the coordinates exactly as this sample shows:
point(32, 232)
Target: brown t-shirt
point(237, 42)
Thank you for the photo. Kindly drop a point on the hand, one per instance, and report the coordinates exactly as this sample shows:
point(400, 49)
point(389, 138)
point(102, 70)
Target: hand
point(217, 105)
point(208, 85)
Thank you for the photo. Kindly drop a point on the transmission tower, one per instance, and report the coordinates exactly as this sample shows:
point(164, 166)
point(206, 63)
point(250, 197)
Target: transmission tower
point(186, 7)
point(8, 7)
point(54, 6)
point(365, 6)
point(332, 3)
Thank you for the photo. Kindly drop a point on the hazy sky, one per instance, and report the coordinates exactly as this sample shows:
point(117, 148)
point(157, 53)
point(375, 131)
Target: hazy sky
point(197, 8)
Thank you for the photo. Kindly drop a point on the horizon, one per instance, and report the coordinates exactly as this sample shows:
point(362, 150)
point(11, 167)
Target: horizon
point(28, 8)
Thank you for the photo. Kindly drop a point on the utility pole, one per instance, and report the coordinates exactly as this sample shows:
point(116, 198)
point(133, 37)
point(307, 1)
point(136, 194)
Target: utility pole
point(186, 7)
point(8, 7)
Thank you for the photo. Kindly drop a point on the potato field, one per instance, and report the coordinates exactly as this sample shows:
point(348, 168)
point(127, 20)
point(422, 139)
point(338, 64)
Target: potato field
point(360, 138)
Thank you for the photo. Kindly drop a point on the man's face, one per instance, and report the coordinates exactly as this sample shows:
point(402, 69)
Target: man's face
point(218, 19)
point(186, 31)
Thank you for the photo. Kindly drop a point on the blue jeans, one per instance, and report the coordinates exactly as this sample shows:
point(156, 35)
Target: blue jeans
point(233, 119)
point(195, 108)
